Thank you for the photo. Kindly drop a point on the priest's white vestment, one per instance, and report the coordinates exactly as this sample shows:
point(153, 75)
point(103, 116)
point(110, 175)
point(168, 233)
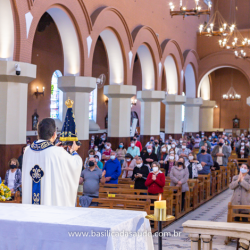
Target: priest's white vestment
point(50, 175)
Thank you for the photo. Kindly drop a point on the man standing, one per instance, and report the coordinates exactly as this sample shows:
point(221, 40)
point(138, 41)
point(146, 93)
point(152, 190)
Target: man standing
point(50, 174)
point(205, 160)
point(184, 151)
point(221, 153)
point(92, 176)
point(150, 156)
point(113, 169)
point(133, 150)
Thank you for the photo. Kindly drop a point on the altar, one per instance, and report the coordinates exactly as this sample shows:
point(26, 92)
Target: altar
point(33, 227)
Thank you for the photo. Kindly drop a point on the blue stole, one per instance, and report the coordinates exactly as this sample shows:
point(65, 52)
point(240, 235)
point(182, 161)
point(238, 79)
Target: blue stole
point(37, 173)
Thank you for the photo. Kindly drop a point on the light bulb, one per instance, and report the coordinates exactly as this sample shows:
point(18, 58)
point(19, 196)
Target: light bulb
point(235, 39)
point(224, 25)
point(248, 42)
point(180, 3)
point(225, 40)
point(243, 43)
point(208, 30)
point(211, 25)
point(220, 42)
point(236, 53)
point(172, 7)
point(241, 51)
point(199, 8)
point(184, 8)
point(244, 54)
point(221, 29)
point(233, 43)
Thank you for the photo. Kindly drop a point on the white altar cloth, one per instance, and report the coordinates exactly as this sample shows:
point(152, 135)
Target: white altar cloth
point(34, 227)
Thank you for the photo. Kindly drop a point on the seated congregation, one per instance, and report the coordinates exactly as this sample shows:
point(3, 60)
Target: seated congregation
point(185, 172)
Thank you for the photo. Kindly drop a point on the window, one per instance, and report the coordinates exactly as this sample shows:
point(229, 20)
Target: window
point(183, 110)
point(91, 105)
point(55, 96)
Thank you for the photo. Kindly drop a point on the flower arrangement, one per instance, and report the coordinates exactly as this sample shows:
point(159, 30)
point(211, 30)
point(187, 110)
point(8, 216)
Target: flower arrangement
point(5, 193)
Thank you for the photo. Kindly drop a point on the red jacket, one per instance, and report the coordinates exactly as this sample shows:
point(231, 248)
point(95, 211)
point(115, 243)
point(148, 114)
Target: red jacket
point(155, 187)
point(138, 144)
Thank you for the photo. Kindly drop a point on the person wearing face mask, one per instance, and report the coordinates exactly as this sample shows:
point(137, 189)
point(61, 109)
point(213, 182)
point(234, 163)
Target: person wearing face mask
point(193, 166)
point(156, 180)
point(113, 169)
point(179, 145)
point(179, 176)
point(242, 151)
point(214, 136)
point(13, 176)
point(140, 174)
point(162, 155)
point(205, 160)
point(241, 186)
point(128, 166)
point(106, 153)
point(157, 148)
point(133, 150)
point(173, 147)
point(121, 152)
point(150, 156)
point(91, 178)
point(221, 153)
point(98, 162)
point(102, 142)
point(97, 152)
point(205, 141)
point(197, 141)
point(161, 142)
point(137, 143)
point(91, 154)
point(143, 152)
point(169, 162)
point(151, 141)
point(213, 143)
point(184, 151)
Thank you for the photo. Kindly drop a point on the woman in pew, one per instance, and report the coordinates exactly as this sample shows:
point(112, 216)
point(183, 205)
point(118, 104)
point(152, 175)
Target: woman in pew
point(162, 155)
point(179, 176)
point(193, 166)
point(170, 161)
point(241, 186)
point(128, 166)
point(156, 180)
point(140, 174)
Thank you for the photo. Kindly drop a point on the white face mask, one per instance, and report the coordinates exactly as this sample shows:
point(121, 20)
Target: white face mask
point(107, 147)
point(171, 157)
point(149, 150)
point(132, 145)
point(173, 145)
point(91, 156)
point(183, 147)
point(163, 149)
point(96, 160)
point(180, 142)
point(190, 157)
point(139, 165)
point(213, 134)
point(96, 149)
point(112, 157)
point(128, 159)
point(155, 169)
point(92, 138)
point(242, 144)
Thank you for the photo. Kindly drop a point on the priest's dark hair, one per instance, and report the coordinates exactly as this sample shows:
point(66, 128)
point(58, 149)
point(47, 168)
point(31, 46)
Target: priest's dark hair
point(46, 128)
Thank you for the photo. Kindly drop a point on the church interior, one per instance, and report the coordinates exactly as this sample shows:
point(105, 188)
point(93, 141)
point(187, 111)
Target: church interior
point(159, 97)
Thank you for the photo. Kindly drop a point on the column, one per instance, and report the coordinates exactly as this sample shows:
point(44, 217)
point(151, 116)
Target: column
point(77, 88)
point(119, 112)
point(173, 115)
point(13, 109)
point(207, 241)
point(248, 103)
point(192, 114)
point(207, 116)
point(195, 241)
point(150, 113)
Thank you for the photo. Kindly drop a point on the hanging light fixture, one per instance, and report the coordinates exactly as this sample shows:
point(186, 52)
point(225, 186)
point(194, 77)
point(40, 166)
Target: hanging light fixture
point(231, 94)
point(197, 11)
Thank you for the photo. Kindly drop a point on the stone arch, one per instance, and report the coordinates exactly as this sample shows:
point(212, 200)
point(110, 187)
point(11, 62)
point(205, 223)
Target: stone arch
point(190, 72)
point(171, 48)
point(80, 24)
point(107, 21)
point(146, 42)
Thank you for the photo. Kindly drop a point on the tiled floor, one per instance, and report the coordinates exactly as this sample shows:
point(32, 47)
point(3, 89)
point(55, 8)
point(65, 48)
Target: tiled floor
point(214, 210)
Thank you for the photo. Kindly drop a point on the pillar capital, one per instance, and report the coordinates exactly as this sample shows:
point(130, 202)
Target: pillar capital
point(174, 100)
point(208, 104)
point(150, 96)
point(76, 84)
point(193, 102)
point(8, 72)
point(119, 91)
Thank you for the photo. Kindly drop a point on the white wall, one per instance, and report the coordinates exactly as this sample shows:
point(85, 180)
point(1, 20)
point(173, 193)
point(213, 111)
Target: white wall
point(171, 75)
point(190, 82)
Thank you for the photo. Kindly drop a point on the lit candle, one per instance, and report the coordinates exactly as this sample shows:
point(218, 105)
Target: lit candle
point(160, 204)
point(160, 209)
point(43, 89)
point(37, 88)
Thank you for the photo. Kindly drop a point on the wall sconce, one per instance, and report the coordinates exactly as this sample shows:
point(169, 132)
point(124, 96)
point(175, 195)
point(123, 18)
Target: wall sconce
point(106, 100)
point(216, 106)
point(37, 93)
point(133, 102)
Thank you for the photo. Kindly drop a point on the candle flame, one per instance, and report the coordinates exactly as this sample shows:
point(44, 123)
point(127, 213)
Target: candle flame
point(160, 197)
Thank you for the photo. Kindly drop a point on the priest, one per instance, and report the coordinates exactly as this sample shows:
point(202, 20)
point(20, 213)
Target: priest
point(51, 174)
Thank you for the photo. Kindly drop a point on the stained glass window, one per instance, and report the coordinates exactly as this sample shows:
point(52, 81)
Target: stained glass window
point(91, 105)
point(54, 99)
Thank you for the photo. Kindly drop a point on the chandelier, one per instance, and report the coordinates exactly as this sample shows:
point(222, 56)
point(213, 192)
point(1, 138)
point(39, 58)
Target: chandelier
point(231, 95)
point(216, 26)
point(197, 11)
